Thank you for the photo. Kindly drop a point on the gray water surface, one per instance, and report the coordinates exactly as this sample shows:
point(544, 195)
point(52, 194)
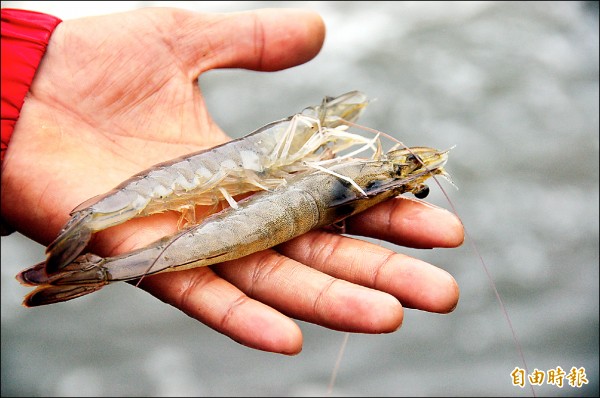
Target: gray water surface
point(513, 85)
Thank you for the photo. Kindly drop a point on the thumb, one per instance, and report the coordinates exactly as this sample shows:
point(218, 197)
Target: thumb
point(265, 40)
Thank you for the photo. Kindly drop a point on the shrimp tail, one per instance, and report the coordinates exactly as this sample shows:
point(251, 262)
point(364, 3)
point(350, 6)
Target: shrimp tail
point(50, 294)
point(83, 276)
point(70, 242)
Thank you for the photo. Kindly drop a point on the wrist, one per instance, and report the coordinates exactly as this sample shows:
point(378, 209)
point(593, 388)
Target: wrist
point(25, 36)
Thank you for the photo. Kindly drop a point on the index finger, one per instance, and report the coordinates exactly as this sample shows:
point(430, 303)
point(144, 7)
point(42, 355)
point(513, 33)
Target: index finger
point(408, 222)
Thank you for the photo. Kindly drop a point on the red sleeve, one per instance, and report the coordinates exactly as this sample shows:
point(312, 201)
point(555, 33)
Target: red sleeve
point(25, 35)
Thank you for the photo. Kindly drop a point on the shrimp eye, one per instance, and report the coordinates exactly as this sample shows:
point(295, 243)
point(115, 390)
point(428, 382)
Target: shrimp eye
point(398, 170)
point(422, 192)
point(414, 158)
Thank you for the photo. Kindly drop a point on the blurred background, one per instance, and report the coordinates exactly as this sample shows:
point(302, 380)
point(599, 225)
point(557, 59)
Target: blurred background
point(514, 85)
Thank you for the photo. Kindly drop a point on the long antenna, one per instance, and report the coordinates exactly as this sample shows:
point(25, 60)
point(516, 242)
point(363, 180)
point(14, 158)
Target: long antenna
point(473, 247)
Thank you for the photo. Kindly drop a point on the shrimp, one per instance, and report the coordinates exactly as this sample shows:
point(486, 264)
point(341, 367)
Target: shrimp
point(263, 220)
point(262, 160)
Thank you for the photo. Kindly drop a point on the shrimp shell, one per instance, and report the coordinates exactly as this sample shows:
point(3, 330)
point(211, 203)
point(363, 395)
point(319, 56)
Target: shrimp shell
point(262, 160)
point(263, 220)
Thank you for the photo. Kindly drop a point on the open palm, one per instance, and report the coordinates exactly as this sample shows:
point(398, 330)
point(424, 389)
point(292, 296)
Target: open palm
point(116, 94)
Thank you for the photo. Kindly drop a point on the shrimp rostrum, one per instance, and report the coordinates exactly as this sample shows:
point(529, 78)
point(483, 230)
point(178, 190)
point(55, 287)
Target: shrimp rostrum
point(262, 160)
point(261, 221)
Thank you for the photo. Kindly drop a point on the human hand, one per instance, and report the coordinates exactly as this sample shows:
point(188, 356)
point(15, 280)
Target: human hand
point(116, 94)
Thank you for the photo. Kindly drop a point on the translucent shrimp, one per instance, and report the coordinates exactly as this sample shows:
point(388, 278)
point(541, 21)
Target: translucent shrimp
point(261, 160)
point(266, 219)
